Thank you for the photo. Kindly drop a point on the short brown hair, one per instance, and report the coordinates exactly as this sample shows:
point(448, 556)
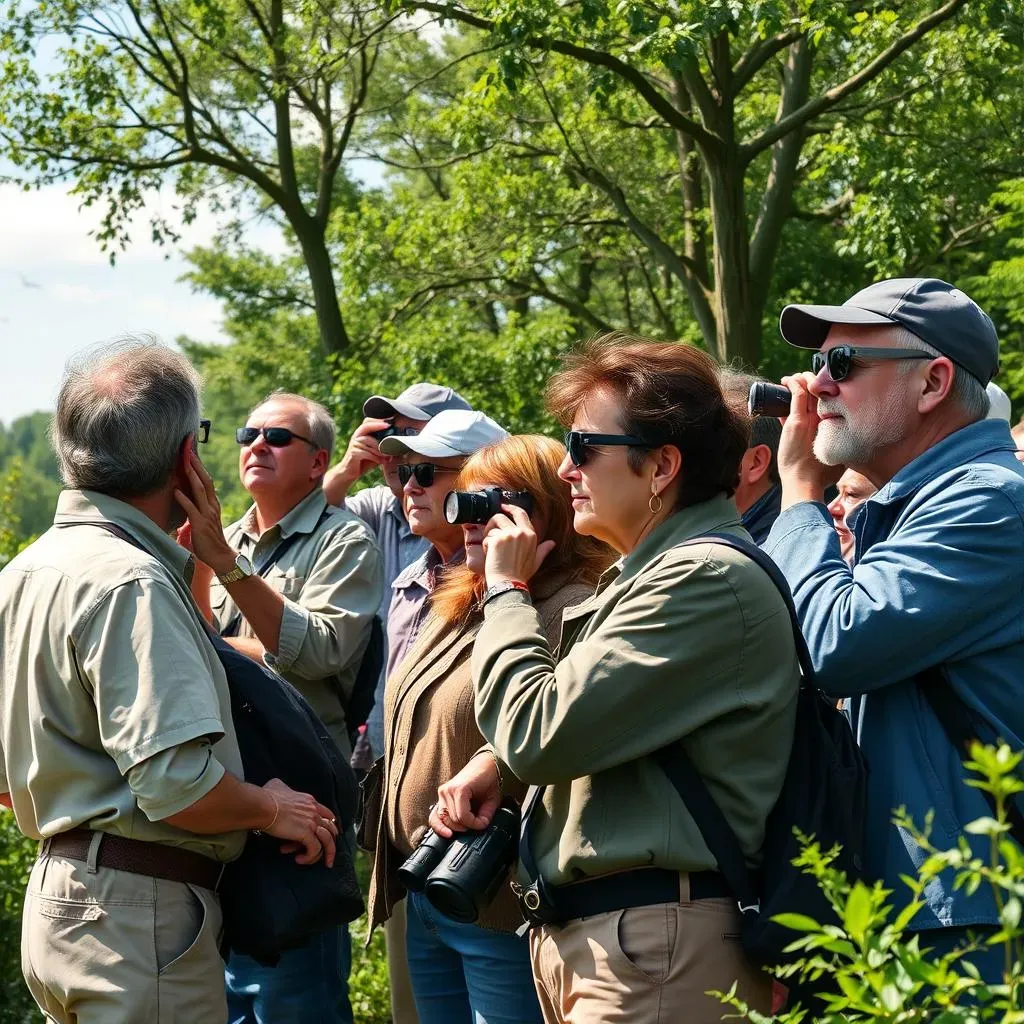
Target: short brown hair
point(671, 394)
point(524, 462)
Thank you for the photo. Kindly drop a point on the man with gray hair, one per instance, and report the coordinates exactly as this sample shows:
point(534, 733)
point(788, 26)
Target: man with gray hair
point(919, 631)
point(295, 583)
point(117, 748)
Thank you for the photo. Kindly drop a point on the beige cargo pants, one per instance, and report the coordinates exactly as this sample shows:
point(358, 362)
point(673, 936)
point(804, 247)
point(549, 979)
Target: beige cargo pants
point(110, 947)
point(645, 965)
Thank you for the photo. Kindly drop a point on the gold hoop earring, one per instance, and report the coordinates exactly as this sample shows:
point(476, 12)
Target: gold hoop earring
point(655, 504)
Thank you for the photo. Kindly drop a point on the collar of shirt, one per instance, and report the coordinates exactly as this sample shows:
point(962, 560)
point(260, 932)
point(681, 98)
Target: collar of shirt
point(966, 445)
point(396, 511)
point(715, 514)
point(302, 518)
point(770, 501)
point(91, 506)
point(422, 572)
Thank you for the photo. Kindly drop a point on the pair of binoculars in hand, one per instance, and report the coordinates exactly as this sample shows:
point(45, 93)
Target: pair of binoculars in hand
point(460, 876)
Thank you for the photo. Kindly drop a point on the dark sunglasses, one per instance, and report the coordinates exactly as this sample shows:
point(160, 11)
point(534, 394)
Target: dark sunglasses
point(203, 434)
point(276, 437)
point(840, 360)
point(423, 471)
point(395, 432)
point(578, 441)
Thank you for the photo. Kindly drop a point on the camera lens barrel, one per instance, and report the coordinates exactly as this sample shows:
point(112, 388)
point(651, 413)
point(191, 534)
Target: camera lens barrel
point(464, 507)
point(768, 399)
point(414, 873)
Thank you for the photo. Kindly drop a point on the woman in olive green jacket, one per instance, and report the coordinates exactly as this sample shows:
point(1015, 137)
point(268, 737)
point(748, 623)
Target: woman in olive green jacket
point(683, 642)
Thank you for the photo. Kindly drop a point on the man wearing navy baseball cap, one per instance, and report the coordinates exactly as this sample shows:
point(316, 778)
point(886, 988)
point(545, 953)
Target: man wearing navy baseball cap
point(923, 633)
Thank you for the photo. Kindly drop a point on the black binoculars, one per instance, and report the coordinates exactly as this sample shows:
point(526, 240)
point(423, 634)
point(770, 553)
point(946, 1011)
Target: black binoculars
point(478, 506)
point(768, 399)
point(461, 875)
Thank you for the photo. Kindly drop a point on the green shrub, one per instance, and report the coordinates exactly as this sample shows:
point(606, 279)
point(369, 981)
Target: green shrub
point(881, 974)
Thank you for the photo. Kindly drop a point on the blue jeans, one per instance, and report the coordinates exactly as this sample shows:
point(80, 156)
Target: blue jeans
point(308, 984)
point(464, 974)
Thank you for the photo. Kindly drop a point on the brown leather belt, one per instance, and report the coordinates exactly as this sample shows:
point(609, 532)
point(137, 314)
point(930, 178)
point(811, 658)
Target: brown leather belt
point(153, 859)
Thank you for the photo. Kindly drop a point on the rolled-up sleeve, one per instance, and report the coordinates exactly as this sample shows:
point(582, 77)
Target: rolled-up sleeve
point(615, 696)
point(174, 779)
point(328, 625)
point(928, 592)
point(139, 658)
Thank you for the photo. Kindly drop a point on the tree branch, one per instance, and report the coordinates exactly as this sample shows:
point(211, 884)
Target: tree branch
point(757, 56)
point(597, 58)
point(829, 99)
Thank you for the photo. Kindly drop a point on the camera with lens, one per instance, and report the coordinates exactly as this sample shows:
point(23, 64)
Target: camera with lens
point(393, 431)
point(768, 399)
point(478, 506)
point(460, 876)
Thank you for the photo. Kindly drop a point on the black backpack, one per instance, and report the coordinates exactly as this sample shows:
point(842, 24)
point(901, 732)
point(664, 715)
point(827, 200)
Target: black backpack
point(270, 903)
point(823, 795)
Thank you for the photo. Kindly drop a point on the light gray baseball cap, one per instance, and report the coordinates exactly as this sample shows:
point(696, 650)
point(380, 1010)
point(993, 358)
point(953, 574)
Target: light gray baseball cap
point(939, 314)
point(451, 432)
point(418, 402)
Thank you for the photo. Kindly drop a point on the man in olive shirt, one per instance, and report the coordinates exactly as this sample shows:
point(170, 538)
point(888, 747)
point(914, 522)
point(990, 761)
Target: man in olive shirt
point(295, 582)
point(116, 742)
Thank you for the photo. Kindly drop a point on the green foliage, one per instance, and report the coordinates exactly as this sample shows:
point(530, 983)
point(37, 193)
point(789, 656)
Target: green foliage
point(880, 972)
point(16, 856)
point(33, 496)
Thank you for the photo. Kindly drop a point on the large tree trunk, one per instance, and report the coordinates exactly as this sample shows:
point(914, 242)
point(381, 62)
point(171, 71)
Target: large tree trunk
point(737, 324)
point(333, 335)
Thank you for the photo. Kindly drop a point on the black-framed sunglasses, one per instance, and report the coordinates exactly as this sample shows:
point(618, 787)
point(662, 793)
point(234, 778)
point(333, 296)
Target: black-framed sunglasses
point(203, 433)
point(578, 441)
point(840, 360)
point(423, 471)
point(276, 437)
point(395, 432)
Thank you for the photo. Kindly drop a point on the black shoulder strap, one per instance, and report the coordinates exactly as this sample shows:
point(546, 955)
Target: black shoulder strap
point(681, 771)
point(964, 726)
point(122, 534)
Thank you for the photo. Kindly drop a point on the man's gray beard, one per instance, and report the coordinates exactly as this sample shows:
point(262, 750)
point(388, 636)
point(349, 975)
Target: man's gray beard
point(836, 444)
point(841, 444)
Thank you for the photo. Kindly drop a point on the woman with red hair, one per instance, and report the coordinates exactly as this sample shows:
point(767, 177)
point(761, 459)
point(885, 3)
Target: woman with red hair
point(475, 973)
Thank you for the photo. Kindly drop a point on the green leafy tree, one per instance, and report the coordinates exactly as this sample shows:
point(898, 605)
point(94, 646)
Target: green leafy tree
point(704, 129)
point(241, 104)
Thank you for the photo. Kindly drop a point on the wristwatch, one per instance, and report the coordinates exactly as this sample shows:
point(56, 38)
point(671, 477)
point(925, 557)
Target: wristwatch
point(503, 588)
point(243, 568)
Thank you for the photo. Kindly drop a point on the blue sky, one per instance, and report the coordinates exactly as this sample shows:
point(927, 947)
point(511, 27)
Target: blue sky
point(58, 292)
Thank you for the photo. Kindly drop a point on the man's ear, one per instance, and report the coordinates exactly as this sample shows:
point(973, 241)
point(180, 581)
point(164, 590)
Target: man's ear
point(757, 462)
point(321, 461)
point(182, 461)
point(936, 383)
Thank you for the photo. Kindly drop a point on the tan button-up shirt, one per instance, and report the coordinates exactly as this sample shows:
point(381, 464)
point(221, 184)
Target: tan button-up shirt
point(114, 708)
point(332, 580)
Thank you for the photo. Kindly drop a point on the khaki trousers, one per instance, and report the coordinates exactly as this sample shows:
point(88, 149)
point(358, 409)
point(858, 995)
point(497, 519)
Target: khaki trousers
point(648, 965)
point(403, 1005)
point(101, 946)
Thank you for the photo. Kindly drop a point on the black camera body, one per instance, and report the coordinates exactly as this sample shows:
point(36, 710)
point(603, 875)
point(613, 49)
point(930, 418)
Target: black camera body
point(768, 399)
point(461, 876)
point(479, 506)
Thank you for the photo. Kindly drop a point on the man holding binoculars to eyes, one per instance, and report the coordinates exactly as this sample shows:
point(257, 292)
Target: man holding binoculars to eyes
point(919, 632)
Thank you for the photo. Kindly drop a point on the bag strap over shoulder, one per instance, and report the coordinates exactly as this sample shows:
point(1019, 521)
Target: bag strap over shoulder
point(675, 762)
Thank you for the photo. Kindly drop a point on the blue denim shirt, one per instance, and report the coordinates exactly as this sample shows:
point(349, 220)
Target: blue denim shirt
point(939, 579)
